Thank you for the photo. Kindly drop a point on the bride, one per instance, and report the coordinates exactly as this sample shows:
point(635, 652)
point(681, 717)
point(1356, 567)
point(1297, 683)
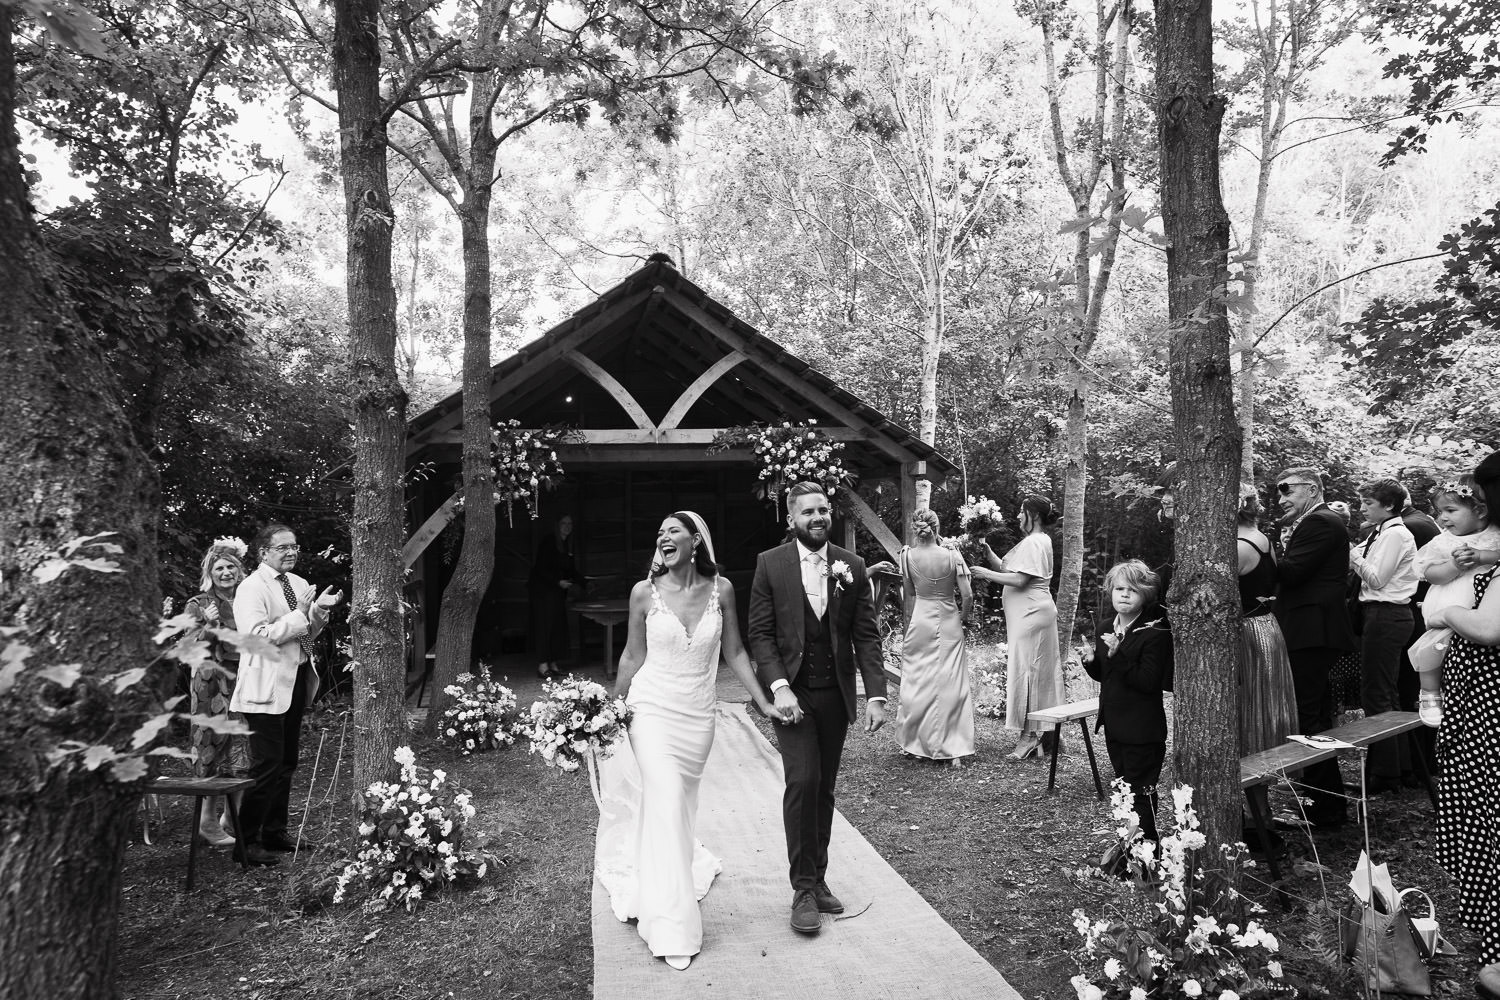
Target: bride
point(646, 854)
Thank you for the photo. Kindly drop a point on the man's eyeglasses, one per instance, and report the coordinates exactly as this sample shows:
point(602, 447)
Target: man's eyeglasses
point(1285, 488)
point(286, 548)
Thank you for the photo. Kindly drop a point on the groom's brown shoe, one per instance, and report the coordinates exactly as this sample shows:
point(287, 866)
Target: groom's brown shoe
point(826, 900)
point(805, 918)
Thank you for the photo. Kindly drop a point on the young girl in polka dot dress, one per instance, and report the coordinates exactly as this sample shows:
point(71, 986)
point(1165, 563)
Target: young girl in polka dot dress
point(1468, 744)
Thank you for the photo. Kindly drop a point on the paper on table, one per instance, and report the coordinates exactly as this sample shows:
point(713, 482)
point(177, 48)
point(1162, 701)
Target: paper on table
point(1378, 877)
point(1320, 742)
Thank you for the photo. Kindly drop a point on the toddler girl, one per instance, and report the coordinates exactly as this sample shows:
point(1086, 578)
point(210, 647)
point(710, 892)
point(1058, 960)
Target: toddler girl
point(1449, 564)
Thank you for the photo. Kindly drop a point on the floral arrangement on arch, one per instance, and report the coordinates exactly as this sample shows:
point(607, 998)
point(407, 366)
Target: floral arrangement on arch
point(1182, 930)
point(525, 464)
point(790, 453)
point(575, 719)
point(411, 835)
point(482, 716)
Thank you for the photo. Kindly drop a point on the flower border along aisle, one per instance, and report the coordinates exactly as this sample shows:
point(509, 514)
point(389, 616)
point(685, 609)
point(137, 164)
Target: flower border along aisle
point(411, 836)
point(1183, 931)
point(482, 716)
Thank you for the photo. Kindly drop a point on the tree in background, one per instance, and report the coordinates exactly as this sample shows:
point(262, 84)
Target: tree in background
point(1204, 595)
point(1082, 157)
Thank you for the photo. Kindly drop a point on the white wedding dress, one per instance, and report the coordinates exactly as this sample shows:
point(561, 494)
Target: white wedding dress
point(646, 854)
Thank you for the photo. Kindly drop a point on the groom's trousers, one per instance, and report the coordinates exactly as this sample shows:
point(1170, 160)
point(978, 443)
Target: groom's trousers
point(810, 752)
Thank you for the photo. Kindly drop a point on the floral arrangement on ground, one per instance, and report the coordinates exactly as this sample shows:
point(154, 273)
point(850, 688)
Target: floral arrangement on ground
point(575, 719)
point(411, 838)
point(790, 453)
point(482, 716)
point(1183, 929)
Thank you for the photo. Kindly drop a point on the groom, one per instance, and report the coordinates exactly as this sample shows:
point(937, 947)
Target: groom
point(812, 624)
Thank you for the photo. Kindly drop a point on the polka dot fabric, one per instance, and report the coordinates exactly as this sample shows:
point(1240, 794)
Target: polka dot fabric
point(1468, 817)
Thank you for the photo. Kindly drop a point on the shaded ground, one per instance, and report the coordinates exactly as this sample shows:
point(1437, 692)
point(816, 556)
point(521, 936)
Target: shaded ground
point(1001, 860)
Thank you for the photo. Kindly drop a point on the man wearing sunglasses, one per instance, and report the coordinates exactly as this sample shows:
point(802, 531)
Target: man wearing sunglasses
point(1310, 591)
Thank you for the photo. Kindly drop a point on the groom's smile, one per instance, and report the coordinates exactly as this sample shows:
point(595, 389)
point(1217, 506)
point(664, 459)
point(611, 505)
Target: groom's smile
point(810, 519)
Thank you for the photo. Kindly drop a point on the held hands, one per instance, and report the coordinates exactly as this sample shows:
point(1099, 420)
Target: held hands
point(784, 707)
point(210, 612)
point(1468, 557)
point(874, 715)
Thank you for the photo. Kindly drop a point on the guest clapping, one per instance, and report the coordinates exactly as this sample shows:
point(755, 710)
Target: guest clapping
point(1132, 661)
point(936, 716)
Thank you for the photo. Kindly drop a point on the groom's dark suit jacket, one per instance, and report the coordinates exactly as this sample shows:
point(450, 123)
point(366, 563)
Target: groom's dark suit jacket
point(777, 623)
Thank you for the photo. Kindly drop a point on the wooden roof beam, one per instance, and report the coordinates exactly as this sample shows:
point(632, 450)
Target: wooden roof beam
point(611, 385)
point(700, 385)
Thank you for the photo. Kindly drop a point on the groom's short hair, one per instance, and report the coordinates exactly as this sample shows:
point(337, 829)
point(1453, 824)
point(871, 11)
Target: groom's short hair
point(800, 490)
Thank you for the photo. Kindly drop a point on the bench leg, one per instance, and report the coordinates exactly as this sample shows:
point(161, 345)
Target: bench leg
point(1263, 827)
point(193, 839)
point(1088, 744)
point(1423, 770)
point(239, 837)
point(1056, 748)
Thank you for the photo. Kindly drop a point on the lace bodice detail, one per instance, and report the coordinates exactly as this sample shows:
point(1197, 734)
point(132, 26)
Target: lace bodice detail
point(680, 667)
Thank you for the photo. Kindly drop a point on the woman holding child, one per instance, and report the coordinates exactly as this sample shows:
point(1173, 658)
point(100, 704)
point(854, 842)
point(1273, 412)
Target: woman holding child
point(1468, 743)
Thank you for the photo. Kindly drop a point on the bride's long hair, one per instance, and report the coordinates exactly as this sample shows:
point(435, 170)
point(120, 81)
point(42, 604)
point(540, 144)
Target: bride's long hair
point(703, 554)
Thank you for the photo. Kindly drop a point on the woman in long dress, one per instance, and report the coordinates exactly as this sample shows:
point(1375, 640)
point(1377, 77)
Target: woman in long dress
point(936, 717)
point(554, 576)
point(1033, 666)
point(647, 854)
point(1267, 700)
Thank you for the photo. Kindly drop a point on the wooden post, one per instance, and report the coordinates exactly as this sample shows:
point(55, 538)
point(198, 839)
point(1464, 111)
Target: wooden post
point(908, 499)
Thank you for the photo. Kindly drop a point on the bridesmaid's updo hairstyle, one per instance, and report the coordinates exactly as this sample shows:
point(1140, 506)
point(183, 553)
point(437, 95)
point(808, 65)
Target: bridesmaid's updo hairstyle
point(701, 562)
point(1249, 513)
point(1040, 510)
point(925, 524)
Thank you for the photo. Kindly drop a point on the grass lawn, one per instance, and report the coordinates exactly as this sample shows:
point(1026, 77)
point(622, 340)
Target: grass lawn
point(999, 859)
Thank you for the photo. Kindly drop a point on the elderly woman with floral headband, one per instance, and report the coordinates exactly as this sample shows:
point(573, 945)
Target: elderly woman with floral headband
point(217, 754)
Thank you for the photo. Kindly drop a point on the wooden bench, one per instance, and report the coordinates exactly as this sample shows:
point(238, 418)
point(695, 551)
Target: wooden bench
point(1057, 717)
point(1274, 763)
point(200, 789)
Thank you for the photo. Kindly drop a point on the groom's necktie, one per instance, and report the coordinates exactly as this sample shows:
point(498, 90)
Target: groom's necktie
point(812, 581)
point(291, 602)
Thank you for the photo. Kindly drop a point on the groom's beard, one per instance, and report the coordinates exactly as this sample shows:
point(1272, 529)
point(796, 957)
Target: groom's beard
point(807, 538)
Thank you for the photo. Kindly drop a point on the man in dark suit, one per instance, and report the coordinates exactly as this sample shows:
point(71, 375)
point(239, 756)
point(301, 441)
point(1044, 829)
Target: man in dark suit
point(1311, 584)
point(812, 625)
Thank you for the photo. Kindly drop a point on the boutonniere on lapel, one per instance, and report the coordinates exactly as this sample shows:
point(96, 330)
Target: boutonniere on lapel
point(839, 573)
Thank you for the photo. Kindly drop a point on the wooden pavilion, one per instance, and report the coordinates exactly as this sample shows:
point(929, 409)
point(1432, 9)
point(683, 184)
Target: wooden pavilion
point(648, 374)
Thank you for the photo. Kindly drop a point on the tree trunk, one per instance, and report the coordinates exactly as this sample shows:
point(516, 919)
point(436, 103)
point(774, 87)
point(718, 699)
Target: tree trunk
point(476, 557)
point(1075, 486)
point(71, 470)
point(377, 531)
point(1204, 598)
point(932, 350)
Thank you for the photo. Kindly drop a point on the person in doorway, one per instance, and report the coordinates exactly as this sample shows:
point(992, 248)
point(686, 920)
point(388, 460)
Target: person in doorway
point(812, 629)
point(554, 578)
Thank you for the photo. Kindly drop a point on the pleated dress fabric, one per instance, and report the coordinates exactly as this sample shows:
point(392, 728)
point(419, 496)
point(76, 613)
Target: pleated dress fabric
point(1267, 700)
point(936, 716)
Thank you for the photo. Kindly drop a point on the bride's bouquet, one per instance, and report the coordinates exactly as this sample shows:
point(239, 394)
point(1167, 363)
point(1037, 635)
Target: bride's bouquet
point(575, 718)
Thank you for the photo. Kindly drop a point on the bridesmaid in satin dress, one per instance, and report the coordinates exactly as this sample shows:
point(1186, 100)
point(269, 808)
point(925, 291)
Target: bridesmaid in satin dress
point(936, 716)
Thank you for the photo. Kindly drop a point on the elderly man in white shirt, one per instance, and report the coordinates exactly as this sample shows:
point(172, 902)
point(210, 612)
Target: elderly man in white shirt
point(1386, 564)
point(274, 688)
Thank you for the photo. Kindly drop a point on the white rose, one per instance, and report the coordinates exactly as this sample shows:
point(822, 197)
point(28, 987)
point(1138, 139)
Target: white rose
point(1229, 995)
point(1191, 988)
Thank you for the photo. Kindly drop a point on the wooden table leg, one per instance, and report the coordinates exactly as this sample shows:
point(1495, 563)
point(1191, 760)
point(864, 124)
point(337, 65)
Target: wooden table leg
point(1263, 827)
point(1088, 744)
point(609, 649)
point(239, 840)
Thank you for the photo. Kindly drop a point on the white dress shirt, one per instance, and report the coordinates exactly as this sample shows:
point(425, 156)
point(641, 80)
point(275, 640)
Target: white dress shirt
point(814, 563)
point(1387, 564)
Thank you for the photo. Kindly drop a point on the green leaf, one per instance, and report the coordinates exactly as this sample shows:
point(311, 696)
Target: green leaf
point(12, 662)
point(65, 675)
point(129, 769)
point(128, 678)
point(98, 754)
point(150, 729)
point(220, 724)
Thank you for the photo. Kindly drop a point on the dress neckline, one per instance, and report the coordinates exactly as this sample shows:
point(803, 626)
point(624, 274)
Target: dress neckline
point(690, 633)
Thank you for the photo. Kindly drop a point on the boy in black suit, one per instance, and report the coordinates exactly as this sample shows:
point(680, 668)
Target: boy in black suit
point(1132, 661)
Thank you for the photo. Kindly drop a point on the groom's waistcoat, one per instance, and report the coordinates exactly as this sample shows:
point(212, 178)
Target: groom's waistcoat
point(817, 651)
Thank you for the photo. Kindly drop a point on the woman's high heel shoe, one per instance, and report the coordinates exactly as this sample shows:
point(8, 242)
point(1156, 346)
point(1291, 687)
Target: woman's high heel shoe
point(1029, 746)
